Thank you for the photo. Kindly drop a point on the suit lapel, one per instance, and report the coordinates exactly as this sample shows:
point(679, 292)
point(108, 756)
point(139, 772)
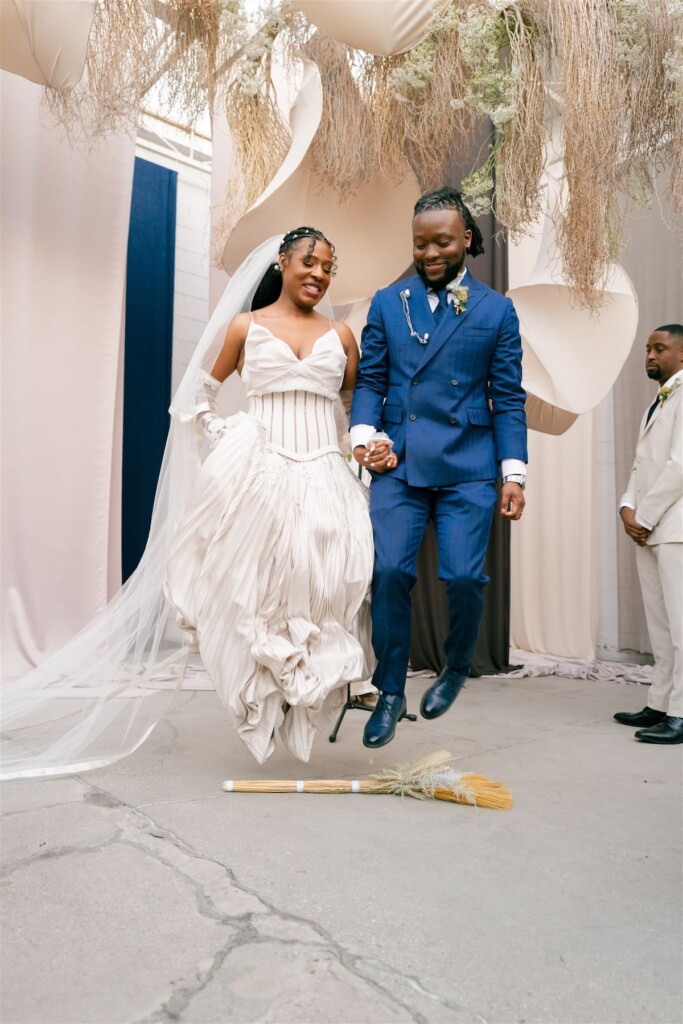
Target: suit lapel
point(452, 321)
point(658, 410)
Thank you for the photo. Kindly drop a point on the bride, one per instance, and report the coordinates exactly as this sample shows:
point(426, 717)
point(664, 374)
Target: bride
point(271, 566)
point(260, 545)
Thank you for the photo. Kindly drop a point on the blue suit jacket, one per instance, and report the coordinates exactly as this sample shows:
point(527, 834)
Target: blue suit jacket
point(455, 406)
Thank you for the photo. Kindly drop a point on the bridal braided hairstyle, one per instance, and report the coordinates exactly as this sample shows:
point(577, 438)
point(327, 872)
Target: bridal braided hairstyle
point(270, 285)
point(450, 199)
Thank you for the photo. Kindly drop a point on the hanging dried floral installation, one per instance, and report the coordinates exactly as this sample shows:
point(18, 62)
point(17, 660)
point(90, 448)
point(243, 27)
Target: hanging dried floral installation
point(612, 70)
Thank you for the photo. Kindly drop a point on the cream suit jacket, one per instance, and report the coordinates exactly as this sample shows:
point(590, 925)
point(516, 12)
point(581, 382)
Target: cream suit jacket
point(655, 488)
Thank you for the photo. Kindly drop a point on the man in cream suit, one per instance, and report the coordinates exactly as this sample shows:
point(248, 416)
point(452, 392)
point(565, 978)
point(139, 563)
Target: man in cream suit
point(652, 513)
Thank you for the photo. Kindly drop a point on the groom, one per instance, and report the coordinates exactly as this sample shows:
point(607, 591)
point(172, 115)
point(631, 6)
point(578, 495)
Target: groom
point(440, 373)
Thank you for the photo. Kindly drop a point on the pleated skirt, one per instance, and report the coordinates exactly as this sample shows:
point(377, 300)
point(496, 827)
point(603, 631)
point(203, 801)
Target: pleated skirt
point(270, 574)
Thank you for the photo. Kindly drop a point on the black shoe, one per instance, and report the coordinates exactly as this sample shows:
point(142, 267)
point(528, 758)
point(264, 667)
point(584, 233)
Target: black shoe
point(668, 731)
point(439, 697)
point(645, 718)
point(390, 709)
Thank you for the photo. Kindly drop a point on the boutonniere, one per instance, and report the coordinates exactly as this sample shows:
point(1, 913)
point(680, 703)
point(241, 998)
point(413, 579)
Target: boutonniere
point(667, 390)
point(460, 296)
point(405, 295)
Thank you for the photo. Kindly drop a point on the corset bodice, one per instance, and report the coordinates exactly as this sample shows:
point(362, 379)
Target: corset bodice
point(270, 364)
point(294, 398)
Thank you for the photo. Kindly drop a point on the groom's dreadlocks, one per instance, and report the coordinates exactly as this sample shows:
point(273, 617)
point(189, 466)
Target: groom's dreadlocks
point(450, 199)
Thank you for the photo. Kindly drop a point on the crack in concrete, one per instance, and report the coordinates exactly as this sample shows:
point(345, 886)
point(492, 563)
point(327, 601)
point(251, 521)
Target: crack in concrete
point(415, 984)
point(58, 851)
point(139, 830)
point(215, 888)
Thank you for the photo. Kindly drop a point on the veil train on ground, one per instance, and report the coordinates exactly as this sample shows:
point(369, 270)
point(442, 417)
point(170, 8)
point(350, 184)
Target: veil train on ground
point(98, 698)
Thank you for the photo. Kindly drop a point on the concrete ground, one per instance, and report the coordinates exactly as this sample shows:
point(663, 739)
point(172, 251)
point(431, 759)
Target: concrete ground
point(143, 893)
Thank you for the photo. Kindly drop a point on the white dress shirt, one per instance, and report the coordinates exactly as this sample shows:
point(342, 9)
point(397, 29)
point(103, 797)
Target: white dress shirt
point(362, 432)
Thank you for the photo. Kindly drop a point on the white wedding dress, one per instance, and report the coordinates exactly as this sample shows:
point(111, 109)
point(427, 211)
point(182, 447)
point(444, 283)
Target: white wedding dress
point(271, 564)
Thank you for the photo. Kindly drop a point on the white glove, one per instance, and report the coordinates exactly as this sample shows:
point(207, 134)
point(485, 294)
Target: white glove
point(213, 426)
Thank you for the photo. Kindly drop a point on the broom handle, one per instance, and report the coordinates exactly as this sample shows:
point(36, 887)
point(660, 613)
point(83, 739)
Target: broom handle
point(301, 786)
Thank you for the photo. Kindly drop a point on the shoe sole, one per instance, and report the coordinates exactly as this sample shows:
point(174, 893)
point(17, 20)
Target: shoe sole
point(638, 725)
point(662, 742)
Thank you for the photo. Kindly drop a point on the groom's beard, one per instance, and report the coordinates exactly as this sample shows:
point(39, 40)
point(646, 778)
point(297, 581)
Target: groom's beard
point(440, 282)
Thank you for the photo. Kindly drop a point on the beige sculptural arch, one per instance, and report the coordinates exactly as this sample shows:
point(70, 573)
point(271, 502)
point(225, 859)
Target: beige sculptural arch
point(372, 232)
point(45, 41)
point(384, 27)
point(572, 357)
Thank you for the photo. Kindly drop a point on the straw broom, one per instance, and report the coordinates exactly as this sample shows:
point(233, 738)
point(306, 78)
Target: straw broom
point(429, 778)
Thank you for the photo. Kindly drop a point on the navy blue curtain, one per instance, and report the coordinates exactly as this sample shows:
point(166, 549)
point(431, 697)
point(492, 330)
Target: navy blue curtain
point(148, 350)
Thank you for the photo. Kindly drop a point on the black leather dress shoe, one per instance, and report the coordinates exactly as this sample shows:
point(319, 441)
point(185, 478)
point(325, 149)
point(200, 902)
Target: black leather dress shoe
point(381, 725)
point(668, 731)
point(439, 697)
point(645, 718)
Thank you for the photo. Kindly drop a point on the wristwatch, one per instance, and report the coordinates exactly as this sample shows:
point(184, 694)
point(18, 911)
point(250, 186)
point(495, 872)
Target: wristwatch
point(515, 478)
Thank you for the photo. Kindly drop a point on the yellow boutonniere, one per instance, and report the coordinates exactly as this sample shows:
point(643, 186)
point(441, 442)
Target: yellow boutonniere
point(460, 297)
point(667, 390)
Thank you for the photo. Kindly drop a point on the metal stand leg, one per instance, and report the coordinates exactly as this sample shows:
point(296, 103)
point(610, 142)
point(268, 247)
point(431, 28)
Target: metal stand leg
point(351, 705)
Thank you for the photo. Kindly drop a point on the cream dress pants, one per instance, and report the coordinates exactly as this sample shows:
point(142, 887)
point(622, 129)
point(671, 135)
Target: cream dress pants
point(660, 569)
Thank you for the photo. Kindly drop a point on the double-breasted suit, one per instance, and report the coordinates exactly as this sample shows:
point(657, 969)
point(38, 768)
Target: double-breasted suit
point(454, 408)
point(655, 491)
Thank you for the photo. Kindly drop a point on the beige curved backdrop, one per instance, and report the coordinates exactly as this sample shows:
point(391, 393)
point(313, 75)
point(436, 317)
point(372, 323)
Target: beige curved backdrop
point(45, 40)
point(376, 26)
point(372, 232)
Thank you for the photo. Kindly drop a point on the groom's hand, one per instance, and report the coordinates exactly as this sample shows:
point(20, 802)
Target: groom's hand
point(511, 500)
point(377, 457)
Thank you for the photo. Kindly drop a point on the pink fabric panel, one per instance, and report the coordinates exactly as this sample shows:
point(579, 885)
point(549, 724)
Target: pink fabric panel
point(64, 236)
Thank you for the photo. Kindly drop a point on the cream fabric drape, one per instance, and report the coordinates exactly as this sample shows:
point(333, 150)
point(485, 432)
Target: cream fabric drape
point(553, 558)
point(295, 196)
point(46, 41)
point(64, 236)
point(376, 26)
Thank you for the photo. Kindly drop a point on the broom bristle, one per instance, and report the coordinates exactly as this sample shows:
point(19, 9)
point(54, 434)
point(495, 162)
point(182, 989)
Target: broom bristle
point(484, 793)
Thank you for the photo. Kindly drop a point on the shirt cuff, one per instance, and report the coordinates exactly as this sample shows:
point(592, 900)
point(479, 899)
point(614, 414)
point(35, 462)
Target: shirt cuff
point(361, 434)
point(641, 522)
point(512, 466)
point(626, 504)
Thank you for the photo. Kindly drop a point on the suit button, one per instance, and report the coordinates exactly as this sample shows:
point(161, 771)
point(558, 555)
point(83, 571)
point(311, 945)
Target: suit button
point(452, 419)
point(454, 383)
point(412, 416)
point(416, 381)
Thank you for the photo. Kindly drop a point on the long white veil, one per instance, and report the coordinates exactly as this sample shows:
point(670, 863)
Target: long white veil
point(99, 697)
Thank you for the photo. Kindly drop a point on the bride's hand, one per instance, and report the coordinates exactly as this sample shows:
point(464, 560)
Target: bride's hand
point(377, 457)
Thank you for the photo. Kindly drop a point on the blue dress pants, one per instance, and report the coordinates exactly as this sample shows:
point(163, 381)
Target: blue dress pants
point(462, 516)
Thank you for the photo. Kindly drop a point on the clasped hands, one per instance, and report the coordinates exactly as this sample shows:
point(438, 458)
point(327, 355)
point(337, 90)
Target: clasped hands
point(377, 456)
point(633, 529)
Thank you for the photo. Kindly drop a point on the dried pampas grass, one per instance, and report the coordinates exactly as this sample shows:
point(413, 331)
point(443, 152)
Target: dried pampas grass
point(123, 53)
point(613, 69)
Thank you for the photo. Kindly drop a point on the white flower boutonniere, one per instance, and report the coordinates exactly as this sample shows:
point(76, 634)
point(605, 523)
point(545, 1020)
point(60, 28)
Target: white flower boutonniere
point(667, 390)
point(460, 297)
